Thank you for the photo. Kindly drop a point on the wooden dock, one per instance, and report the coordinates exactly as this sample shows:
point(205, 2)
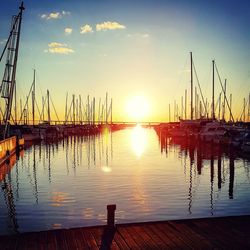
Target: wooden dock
point(210, 233)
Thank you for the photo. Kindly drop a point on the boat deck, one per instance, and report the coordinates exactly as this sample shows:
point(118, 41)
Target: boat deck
point(220, 233)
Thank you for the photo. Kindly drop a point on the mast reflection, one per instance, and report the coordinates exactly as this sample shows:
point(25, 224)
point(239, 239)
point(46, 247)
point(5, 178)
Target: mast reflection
point(200, 153)
point(7, 189)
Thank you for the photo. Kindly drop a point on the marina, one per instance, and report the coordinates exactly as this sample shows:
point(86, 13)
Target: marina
point(174, 172)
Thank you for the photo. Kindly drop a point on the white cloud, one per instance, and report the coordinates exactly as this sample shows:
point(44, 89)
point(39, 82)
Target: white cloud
point(86, 29)
point(61, 50)
point(55, 44)
point(55, 15)
point(58, 48)
point(109, 26)
point(68, 31)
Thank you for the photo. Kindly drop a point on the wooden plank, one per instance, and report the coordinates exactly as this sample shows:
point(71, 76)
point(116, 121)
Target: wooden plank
point(61, 240)
point(104, 238)
point(9, 242)
point(137, 238)
point(89, 238)
point(120, 241)
point(211, 234)
point(141, 230)
point(127, 237)
point(70, 239)
point(51, 240)
point(173, 236)
point(195, 238)
point(155, 237)
point(42, 241)
point(165, 239)
point(80, 240)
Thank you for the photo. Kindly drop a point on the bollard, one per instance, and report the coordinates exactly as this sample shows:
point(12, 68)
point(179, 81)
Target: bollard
point(111, 215)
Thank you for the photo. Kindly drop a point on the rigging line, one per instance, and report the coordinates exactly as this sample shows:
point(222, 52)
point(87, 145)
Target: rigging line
point(26, 103)
point(224, 92)
point(241, 90)
point(54, 108)
point(37, 108)
point(200, 90)
point(217, 102)
point(43, 108)
point(180, 75)
point(10, 35)
point(244, 107)
point(69, 111)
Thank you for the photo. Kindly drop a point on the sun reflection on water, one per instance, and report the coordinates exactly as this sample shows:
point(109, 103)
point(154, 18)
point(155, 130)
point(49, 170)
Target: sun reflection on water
point(138, 140)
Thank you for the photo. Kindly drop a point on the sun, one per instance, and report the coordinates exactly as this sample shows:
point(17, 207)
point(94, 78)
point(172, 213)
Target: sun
point(137, 108)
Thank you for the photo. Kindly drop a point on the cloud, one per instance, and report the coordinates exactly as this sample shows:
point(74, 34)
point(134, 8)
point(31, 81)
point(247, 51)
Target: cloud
point(55, 44)
point(55, 15)
point(109, 26)
point(59, 48)
point(68, 31)
point(86, 29)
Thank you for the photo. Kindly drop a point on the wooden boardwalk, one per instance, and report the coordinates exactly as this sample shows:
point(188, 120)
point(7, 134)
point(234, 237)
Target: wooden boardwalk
point(211, 233)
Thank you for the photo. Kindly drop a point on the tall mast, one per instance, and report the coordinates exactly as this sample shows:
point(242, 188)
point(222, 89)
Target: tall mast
point(66, 108)
point(191, 58)
point(93, 111)
point(48, 106)
point(244, 109)
point(9, 79)
point(111, 111)
point(74, 109)
point(106, 107)
point(224, 101)
point(231, 99)
point(33, 97)
point(248, 112)
point(182, 107)
point(213, 114)
point(169, 113)
point(185, 104)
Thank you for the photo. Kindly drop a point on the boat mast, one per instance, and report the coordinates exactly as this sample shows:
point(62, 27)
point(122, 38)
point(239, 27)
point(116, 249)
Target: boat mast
point(191, 58)
point(111, 111)
point(224, 101)
point(213, 114)
point(185, 104)
point(48, 106)
point(106, 108)
point(8, 82)
point(33, 98)
point(248, 112)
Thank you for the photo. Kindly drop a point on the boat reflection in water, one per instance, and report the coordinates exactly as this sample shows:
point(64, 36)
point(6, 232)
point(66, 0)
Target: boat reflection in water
point(7, 189)
point(69, 182)
point(209, 154)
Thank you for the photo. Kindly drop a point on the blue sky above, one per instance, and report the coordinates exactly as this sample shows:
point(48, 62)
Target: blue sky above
point(147, 55)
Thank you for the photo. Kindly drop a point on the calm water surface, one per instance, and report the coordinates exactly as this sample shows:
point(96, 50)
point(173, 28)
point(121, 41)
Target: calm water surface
point(149, 177)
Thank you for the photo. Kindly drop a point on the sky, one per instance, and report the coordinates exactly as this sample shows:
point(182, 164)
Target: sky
point(131, 49)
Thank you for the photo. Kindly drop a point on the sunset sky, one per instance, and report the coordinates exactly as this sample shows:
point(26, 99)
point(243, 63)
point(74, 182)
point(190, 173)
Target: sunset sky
point(130, 48)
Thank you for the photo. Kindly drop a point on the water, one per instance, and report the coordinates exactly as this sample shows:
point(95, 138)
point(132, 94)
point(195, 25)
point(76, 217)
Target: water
point(149, 177)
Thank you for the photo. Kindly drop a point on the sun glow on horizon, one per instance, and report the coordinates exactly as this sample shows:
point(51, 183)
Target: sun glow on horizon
point(137, 108)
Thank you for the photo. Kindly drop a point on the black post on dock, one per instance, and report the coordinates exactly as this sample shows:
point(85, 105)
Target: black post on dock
point(111, 215)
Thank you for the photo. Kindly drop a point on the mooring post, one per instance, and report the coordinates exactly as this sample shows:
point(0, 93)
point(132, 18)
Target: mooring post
point(111, 215)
